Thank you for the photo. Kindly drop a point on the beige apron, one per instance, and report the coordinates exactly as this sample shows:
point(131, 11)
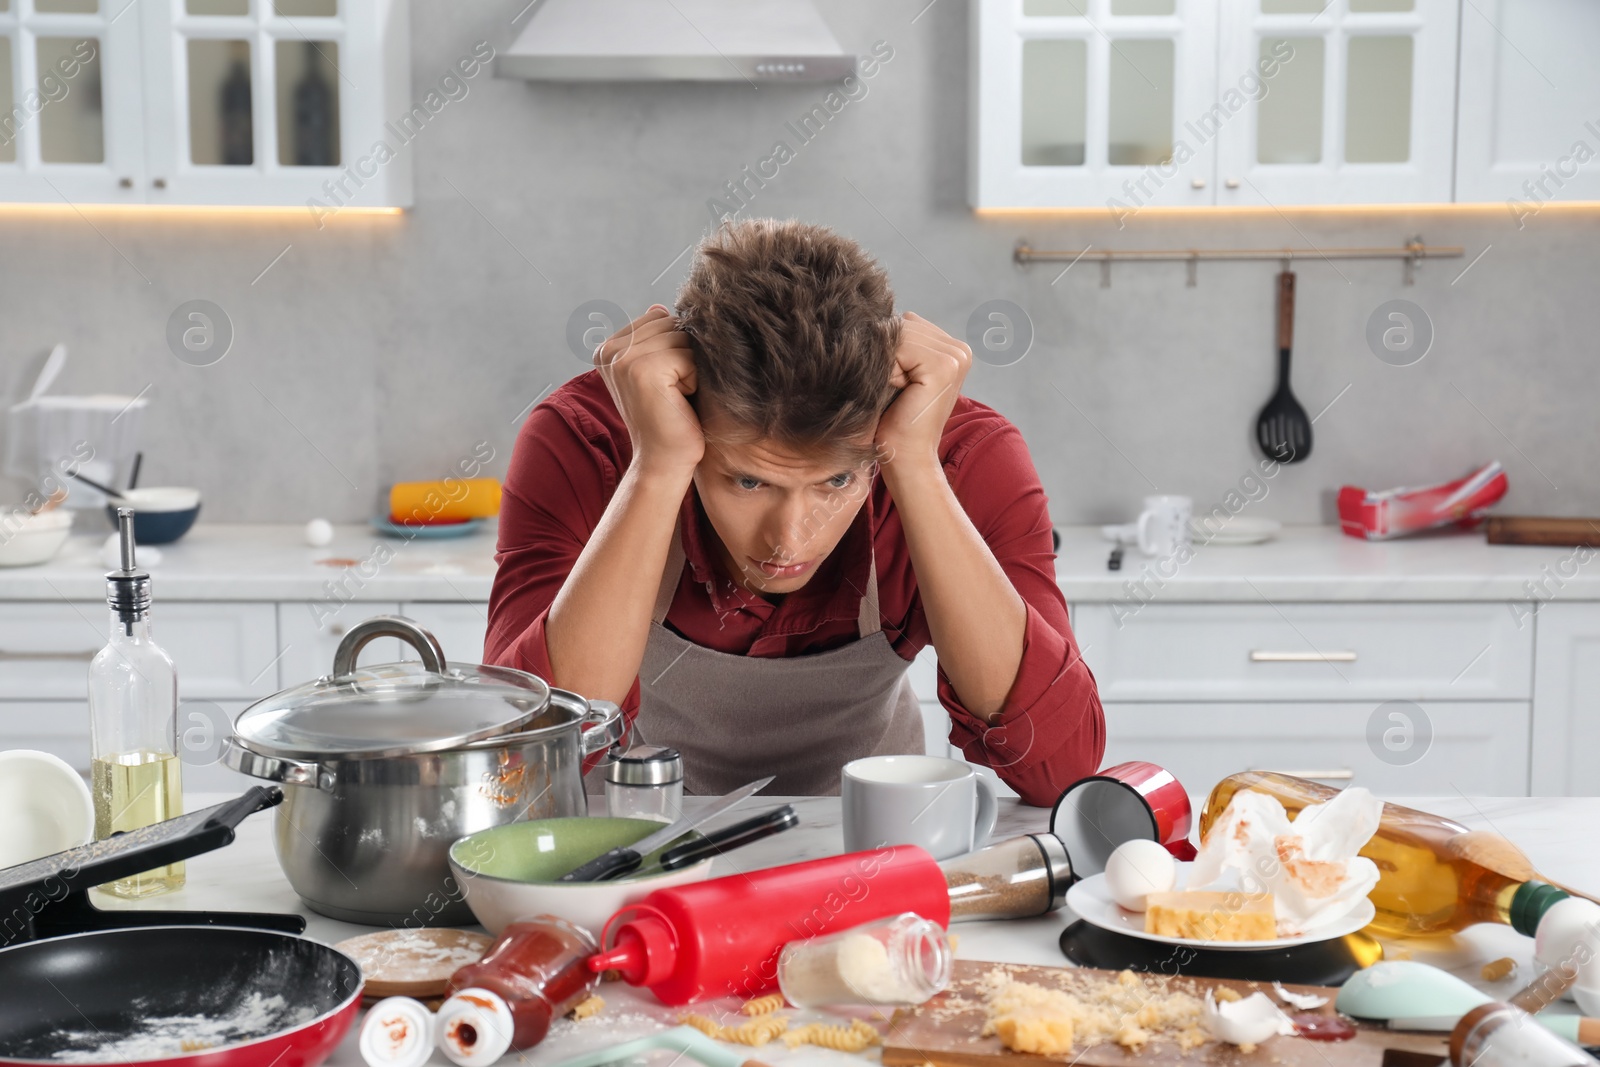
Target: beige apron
point(801, 718)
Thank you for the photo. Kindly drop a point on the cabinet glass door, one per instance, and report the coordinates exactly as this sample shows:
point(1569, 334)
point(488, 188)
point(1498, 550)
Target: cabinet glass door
point(1089, 103)
point(1353, 103)
point(253, 100)
point(70, 121)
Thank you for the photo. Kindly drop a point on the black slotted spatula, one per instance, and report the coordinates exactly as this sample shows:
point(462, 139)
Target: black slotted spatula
point(1282, 429)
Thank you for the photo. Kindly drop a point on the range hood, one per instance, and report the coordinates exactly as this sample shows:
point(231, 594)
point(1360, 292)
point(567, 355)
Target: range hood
point(675, 40)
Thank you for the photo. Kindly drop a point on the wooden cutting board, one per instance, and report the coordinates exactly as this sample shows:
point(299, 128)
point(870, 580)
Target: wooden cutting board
point(945, 1032)
point(413, 963)
point(1541, 530)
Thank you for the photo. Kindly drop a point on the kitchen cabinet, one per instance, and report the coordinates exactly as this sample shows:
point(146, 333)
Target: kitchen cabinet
point(460, 627)
point(206, 102)
point(1124, 104)
point(1566, 685)
point(1530, 103)
point(309, 633)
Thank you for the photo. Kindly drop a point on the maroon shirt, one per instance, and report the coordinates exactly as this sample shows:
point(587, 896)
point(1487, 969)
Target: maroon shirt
point(573, 450)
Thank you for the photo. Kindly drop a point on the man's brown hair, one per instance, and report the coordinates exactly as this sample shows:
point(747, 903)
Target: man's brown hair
point(793, 329)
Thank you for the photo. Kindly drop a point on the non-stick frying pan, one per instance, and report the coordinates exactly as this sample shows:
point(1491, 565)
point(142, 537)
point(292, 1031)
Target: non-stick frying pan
point(239, 997)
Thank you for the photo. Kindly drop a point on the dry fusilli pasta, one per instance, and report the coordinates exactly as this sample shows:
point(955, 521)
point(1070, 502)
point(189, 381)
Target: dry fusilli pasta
point(594, 1005)
point(763, 1005)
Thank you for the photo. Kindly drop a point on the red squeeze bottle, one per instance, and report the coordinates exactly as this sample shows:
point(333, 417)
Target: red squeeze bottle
point(535, 971)
point(722, 937)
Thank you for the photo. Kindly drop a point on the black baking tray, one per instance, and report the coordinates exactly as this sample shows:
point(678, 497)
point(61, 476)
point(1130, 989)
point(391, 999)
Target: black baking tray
point(1327, 963)
point(49, 896)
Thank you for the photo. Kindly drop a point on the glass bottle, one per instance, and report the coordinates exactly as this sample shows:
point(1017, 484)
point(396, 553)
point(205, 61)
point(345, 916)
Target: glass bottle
point(1434, 876)
point(135, 777)
point(901, 959)
point(645, 782)
point(1500, 1035)
point(1014, 879)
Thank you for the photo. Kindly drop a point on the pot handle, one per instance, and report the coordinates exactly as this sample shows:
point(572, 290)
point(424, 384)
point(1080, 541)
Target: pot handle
point(601, 727)
point(427, 646)
point(276, 768)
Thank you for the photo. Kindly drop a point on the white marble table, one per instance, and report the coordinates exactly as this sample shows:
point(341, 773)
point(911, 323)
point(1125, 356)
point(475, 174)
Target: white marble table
point(1555, 833)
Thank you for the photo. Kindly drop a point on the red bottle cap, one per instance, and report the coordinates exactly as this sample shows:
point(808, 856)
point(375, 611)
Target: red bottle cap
point(644, 951)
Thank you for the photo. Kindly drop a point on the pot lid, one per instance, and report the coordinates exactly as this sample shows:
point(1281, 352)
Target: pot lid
point(391, 709)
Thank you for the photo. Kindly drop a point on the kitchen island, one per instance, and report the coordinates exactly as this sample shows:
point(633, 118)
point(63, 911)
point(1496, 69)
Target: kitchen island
point(245, 877)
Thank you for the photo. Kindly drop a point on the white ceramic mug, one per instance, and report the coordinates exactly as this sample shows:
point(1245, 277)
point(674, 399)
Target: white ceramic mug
point(47, 807)
point(943, 805)
point(1164, 525)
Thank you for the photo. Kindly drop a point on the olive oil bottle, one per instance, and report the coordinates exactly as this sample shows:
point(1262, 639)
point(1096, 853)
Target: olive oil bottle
point(1434, 875)
point(135, 774)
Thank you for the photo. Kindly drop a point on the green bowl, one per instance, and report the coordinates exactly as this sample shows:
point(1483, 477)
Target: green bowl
point(509, 872)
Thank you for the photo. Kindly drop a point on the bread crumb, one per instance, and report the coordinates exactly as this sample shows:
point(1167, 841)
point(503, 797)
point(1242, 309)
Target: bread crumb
point(1223, 994)
point(1088, 1010)
point(594, 1005)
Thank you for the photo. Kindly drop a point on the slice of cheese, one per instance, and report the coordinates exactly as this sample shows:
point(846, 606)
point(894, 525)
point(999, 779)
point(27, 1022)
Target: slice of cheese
point(1201, 915)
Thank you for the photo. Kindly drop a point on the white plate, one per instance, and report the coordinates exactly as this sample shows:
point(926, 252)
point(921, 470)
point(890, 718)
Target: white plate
point(1236, 531)
point(1091, 901)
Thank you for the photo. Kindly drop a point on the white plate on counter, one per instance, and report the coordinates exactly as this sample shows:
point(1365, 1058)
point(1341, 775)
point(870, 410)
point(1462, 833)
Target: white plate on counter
point(1235, 531)
point(1091, 901)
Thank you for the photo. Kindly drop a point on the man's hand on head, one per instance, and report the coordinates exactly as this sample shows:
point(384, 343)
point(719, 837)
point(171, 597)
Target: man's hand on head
point(648, 366)
point(929, 368)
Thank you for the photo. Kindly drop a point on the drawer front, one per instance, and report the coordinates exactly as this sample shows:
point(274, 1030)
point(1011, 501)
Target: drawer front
point(59, 727)
point(311, 631)
point(221, 650)
point(1479, 748)
point(1444, 651)
point(460, 627)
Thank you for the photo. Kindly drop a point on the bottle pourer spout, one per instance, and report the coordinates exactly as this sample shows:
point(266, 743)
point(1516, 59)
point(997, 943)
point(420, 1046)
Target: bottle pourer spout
point(125, 532)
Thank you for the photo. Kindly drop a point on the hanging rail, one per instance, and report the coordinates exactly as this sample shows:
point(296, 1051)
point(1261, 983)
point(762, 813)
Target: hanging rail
point(1412, 253)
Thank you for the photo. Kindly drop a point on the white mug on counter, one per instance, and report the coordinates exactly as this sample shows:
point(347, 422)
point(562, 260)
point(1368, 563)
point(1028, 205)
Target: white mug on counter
point(1163, 526)
point(942, 805)
point(47, 806)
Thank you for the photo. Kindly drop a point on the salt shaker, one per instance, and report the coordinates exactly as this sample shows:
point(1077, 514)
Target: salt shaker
point(645, 782)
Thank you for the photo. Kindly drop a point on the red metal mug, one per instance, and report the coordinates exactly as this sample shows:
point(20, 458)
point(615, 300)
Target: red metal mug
point(1128, 802)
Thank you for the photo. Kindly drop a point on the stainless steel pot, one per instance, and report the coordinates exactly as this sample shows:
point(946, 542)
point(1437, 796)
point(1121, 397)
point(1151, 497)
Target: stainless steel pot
point(385, 767)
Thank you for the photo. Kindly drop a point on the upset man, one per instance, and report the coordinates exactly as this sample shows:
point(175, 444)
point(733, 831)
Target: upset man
point(747, 521)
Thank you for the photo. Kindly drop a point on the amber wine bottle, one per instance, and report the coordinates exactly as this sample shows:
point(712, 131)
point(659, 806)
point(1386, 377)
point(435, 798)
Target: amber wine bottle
point(136, 777)
point(1434, 875)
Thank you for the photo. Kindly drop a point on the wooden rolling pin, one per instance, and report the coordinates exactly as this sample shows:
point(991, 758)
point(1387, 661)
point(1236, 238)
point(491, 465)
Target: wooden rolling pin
point(1543, 530)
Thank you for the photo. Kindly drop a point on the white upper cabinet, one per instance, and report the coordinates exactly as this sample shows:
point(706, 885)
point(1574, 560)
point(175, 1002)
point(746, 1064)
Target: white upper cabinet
point(1079, 102)
point(1127, 103)
point(1530, 102)
point(205, 102)
point(1360, 108)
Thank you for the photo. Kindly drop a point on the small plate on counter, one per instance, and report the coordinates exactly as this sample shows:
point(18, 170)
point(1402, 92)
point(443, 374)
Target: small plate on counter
point(434, 531)
point(1235, 531)
point(1091, 901)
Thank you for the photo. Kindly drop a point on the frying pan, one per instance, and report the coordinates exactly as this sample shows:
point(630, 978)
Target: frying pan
point(257, 996)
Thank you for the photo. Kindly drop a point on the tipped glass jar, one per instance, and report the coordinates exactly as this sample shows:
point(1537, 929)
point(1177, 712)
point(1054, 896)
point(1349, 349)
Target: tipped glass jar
point(902, 959)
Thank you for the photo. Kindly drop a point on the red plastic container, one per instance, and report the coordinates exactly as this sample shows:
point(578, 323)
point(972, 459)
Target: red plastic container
point(722, 937)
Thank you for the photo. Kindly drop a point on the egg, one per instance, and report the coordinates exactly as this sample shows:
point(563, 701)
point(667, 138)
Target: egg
point(319, 533)
point(1138, 868)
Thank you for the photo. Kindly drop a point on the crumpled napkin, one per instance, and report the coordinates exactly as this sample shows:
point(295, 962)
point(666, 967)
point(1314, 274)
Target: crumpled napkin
point(1309, 865)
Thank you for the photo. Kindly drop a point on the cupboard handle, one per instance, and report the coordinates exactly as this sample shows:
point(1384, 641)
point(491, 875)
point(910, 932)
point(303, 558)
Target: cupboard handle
point(1232, 183)
point(126, 183)
point(25, 657)
point(159, 183)
point(1197, 183)
point(1258, 656)
point(1341, 774)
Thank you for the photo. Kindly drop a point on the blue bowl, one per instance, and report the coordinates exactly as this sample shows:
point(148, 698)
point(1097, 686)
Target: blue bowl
point(160, 515)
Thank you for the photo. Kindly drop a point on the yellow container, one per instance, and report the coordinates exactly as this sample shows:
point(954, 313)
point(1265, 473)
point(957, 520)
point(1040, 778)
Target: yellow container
point(450, 500)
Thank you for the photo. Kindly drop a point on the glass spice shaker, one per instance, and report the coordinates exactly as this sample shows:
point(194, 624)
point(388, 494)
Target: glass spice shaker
point(1013, 879)
point(645, 782)
point(900, 959)
point(1502, 1035)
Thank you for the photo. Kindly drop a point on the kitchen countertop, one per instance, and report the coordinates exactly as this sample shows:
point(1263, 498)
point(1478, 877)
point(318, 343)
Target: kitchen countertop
point(245, 877)
point(219, 561)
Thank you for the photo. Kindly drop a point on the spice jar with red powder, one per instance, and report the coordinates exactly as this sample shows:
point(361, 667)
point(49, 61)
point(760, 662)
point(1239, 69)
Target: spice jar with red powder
point(536, 971)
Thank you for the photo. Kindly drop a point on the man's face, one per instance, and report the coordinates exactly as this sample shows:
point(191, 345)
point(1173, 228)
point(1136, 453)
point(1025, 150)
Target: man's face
point(778, 513)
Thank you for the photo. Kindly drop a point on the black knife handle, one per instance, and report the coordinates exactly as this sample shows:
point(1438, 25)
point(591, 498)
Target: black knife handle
point(729, 838)
point(613, 864)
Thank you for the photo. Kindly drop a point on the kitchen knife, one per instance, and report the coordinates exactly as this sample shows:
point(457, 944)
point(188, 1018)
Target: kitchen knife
point(730, 837)
point(624, 858)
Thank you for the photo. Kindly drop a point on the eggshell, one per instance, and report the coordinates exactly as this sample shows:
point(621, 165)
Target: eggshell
point(1244, 1022)
point(1138, 868)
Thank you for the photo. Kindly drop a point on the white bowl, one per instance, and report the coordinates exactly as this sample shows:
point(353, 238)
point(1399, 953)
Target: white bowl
point(45, 807)
point(26, 539)
point(497, 871)
point(160, 498)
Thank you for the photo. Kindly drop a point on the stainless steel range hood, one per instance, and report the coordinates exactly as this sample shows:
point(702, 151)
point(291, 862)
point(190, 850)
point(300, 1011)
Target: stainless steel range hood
point(675, 40)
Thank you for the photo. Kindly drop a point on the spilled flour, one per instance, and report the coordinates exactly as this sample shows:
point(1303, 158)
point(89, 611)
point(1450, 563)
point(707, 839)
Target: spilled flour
point(173, 1035)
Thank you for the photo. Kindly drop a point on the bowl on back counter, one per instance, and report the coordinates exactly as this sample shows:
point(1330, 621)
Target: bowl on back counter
point(510, 872)
point(161, 514)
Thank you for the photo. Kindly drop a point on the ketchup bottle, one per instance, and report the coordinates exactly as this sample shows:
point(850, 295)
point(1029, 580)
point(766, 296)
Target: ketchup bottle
point(536, 970)
point(722, 937)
